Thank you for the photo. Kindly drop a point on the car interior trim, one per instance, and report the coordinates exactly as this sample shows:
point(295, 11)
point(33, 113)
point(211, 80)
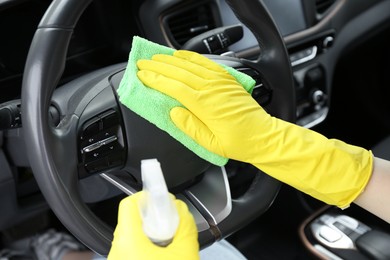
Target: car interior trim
point(215, 212)
point(127, 189)
point(325, 253)
point(307, 55)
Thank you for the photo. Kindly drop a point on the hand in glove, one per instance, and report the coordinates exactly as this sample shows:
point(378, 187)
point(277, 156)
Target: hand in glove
point(221, 116)
point(130, 241)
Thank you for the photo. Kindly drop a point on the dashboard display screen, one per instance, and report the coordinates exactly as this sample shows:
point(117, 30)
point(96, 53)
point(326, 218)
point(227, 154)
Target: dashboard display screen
point(287, 14)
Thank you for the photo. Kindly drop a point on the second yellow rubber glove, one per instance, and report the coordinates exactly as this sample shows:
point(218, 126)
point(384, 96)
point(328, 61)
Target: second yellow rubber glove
point(130, 241)
point(224, 118)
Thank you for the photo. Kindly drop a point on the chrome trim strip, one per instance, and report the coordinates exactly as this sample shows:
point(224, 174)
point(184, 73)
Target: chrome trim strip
point(306, 58)
point(204, 209)
point(317, 117)
point(97, 145)
point(117, 182)
point(227, 208)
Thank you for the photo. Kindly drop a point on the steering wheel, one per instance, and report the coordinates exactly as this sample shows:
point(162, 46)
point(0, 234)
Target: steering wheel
point(96, 136)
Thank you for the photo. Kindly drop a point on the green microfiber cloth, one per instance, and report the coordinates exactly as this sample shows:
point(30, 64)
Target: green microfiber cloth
point(155, 106)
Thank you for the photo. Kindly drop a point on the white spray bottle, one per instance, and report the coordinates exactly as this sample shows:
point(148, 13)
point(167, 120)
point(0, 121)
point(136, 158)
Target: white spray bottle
point(159, 214)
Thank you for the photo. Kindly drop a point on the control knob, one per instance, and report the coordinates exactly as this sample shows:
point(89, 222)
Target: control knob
point(318, 97)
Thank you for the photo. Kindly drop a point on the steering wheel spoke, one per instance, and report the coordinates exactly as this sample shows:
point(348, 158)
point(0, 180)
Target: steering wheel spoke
point(120, 181)
point(62, 140)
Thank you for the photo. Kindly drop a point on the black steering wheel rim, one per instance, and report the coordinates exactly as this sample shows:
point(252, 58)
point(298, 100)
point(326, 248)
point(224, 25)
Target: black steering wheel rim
point(44, 67)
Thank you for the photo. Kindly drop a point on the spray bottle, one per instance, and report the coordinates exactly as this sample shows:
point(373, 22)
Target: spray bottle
point(158, 212)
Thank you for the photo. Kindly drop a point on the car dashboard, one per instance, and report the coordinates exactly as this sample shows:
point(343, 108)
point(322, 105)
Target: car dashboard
point(310, 30)
point(315, 32)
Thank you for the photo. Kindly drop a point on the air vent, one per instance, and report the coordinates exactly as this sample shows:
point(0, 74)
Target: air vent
point(186, 24)
point(323, 5)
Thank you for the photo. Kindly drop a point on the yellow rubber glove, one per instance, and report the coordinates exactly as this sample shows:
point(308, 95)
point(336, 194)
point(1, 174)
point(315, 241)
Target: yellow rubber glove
point(130, 241)
point(224, 118)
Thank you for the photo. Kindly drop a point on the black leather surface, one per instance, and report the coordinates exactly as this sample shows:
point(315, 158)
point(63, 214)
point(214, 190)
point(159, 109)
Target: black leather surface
point(375, 244)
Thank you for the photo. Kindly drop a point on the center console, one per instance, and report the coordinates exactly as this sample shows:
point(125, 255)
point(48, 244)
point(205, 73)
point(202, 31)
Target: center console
point(311, 95)
point(310, 79)
point(334, 234)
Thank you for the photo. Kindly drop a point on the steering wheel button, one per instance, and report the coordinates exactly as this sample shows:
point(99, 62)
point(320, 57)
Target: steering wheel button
point(108, 140)
point(115, 159)
point(329, 234)
point(94, 155)
point(96, 166)
point(110, 120)
point(91, 129)
point(92, 147)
